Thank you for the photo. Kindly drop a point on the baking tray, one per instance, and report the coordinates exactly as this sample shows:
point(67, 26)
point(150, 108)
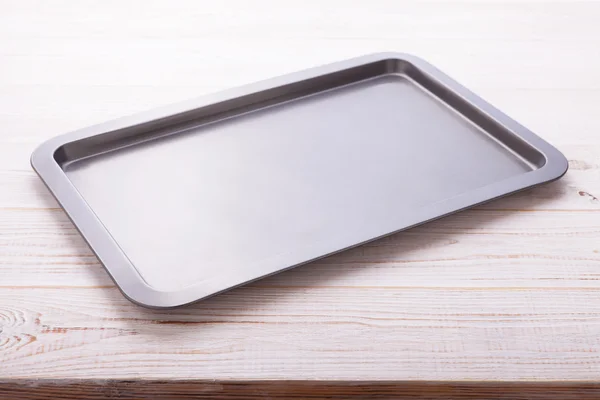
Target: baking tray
point(192, 199)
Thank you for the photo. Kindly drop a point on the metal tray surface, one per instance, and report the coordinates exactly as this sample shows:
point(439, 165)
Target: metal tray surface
point(193, 199)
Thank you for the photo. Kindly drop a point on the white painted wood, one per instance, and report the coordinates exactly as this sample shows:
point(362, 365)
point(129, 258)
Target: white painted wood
point(508, 291)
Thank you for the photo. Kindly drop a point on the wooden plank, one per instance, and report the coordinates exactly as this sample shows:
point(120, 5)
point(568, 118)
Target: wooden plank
point(258, 390)
point(343, 333)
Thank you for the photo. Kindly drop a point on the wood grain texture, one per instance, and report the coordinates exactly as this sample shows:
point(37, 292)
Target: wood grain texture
point(509, 291)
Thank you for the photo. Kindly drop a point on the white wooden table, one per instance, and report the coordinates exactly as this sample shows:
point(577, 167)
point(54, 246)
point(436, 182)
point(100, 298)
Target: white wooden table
point(509, 291)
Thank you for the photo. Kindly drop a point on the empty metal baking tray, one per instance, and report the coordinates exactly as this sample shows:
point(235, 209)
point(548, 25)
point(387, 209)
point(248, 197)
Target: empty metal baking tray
point(193, 199)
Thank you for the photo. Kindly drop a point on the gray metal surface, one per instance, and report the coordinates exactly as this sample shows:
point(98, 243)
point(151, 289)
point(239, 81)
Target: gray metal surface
point(196, 198)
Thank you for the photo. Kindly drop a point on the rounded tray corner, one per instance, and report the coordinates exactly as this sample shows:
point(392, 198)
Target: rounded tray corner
point(139, 293)
point(44, 153)
point(556, 165)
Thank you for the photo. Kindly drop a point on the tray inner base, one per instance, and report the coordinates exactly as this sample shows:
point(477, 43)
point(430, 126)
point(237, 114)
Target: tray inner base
point(213, 196)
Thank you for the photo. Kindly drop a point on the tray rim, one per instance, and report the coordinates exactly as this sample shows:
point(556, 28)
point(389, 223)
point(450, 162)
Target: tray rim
point(129, 280)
